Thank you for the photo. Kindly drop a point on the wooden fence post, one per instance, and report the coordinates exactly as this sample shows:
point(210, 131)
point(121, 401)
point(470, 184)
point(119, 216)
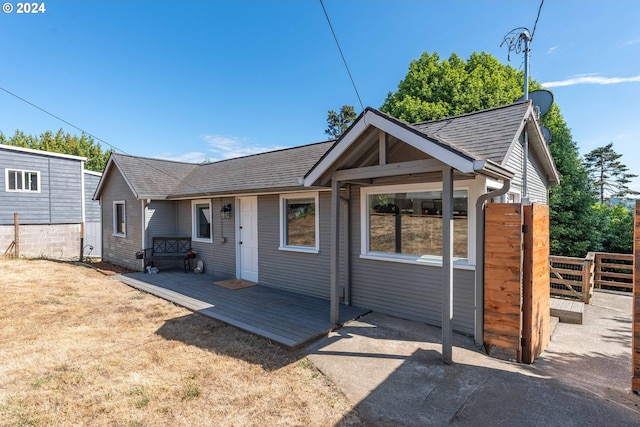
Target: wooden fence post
point(635, 329)
point(16, 234)
point(587, 276)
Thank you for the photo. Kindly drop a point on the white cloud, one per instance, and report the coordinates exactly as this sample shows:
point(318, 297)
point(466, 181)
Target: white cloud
point(224, 147)
point(632, 42)
point(190, 157)
point(598, 80)
point(552, 49)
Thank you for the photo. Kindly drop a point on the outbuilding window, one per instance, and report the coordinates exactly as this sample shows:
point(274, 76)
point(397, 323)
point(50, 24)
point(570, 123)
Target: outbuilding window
point(20, 180)
point(119, 219)
point(299, 222)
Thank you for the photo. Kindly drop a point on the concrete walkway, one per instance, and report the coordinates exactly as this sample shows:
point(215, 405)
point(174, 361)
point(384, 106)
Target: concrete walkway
point(393, 370)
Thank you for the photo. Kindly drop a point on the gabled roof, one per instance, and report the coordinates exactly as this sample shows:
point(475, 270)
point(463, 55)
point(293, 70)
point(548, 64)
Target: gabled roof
point(478, 142)
point(147, 178)
point(491, 134)
point(472, 143)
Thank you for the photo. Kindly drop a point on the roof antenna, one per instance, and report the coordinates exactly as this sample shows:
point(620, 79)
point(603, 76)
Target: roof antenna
point(518, 40)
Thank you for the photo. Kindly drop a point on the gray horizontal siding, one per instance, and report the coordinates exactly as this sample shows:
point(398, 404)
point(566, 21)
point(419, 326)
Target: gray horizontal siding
point(407, 291)
point(116, 249)
point(306, 273)
point(536, 182)
point(60, 198)
point(219, 258)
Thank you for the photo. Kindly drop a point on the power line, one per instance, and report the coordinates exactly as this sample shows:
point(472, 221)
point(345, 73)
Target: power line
point(342, 55)
point(88, 133)
point(62, 120)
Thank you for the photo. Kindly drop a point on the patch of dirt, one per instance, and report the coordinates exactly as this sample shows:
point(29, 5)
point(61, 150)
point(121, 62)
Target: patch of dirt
point(108, 268)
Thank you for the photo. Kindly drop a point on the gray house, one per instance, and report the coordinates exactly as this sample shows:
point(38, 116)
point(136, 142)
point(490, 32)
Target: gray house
point(362, 220)
point(51, 194)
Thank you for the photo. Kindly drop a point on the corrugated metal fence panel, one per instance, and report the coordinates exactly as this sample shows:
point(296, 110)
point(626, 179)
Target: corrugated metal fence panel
point(503, 275)
point(92, 239)
point(536, 328)
point(92, 207)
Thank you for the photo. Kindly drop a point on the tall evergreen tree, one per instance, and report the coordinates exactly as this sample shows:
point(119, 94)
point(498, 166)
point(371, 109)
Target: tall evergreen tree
point(610, 177)
point(339, 122)
point(434, 89)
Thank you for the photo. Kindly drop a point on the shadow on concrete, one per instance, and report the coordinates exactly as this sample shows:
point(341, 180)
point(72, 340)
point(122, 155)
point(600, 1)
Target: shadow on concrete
point(393, 370)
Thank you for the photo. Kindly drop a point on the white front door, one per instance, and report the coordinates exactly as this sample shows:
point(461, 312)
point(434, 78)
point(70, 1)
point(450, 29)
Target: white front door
point(247, 238)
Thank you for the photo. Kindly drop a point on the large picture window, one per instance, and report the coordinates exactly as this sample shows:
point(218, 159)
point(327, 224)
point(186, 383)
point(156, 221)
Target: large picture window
point(201, 220)
point(299, 222)
point(119, 219)
point(19, 180)
point(407, 221)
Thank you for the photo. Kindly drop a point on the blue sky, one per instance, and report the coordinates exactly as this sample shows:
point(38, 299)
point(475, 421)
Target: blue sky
point(215, 79)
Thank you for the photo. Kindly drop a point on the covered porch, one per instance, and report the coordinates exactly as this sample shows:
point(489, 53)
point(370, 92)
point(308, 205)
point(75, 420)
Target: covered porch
point(287, 318)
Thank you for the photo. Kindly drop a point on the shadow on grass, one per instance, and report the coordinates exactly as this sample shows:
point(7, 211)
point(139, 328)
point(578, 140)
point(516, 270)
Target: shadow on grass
point(219, 338)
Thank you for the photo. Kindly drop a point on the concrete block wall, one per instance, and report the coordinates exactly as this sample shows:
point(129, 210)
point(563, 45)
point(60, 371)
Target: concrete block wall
point(51, 241)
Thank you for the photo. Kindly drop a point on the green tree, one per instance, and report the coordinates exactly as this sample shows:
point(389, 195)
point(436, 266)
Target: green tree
point(615, 226)
point(63, 143)
point(609, 176)
point(339, 122)
point(434, 89)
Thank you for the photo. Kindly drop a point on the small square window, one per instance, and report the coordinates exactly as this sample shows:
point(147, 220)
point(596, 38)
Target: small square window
point(299, 219)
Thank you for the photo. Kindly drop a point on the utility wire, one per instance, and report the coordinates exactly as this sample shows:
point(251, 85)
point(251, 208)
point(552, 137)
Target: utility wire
point(151, 165)
point(342, 55)
point(537, 17)
point(62, 120)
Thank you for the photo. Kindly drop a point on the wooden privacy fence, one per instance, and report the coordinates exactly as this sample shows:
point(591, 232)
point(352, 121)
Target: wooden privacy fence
point(516, 279)
point(577, 277)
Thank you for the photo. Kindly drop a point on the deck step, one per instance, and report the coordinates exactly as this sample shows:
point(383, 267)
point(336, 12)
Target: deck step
point(567, 311)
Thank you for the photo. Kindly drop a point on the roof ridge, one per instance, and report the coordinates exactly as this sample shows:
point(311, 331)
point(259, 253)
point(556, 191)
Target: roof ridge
point(500, 107)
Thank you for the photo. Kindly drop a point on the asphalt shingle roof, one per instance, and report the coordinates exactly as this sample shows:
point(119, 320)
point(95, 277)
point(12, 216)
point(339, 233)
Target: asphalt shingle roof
point(267, 171)
point(486, 135)
point(152, 177)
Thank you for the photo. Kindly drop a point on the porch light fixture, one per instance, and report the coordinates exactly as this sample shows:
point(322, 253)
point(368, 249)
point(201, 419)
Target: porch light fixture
point(225, 212)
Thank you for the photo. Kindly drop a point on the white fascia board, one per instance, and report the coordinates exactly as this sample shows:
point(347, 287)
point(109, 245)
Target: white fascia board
point(422, 143)
point(42, 152)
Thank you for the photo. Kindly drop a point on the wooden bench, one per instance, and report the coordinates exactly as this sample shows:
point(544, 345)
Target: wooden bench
point(167, 248)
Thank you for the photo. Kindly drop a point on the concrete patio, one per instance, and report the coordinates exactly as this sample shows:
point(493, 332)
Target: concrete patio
point(393, 370)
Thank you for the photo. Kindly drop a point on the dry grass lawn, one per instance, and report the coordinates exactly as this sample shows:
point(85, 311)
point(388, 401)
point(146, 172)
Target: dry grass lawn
point(79, 348)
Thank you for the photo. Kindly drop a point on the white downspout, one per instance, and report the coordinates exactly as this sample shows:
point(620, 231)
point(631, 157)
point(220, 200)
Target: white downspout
point(479, 288)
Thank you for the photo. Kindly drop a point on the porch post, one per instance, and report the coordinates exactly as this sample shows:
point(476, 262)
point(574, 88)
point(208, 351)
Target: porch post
point(447, 264)
point(335, 251)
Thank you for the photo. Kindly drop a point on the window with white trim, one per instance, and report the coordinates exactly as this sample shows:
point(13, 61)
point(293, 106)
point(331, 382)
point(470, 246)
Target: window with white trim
point(299, 222)
point(201, 220)
point(405, 222)
point(119, 218)
point(21, 180)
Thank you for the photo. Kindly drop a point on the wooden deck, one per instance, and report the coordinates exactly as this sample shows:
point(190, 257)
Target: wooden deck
point(287, 318)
